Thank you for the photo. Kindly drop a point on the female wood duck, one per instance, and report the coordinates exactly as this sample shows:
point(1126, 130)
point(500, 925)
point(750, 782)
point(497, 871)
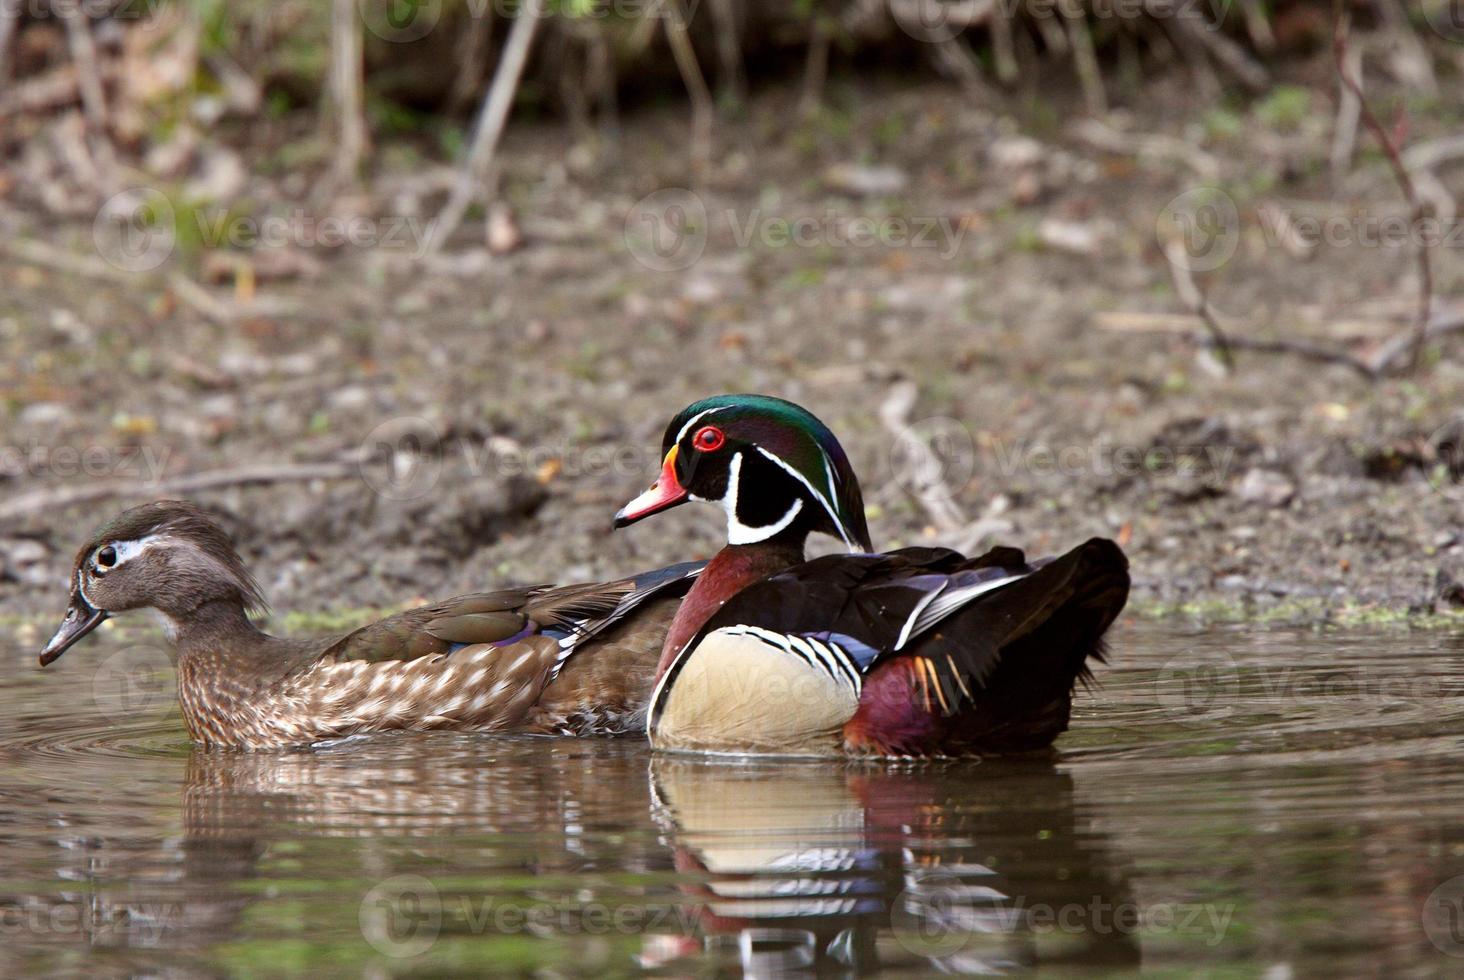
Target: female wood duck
point(916, 652)
point(569, 660)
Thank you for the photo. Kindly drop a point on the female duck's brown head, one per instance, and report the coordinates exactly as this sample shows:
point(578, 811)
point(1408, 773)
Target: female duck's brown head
point(167, 555)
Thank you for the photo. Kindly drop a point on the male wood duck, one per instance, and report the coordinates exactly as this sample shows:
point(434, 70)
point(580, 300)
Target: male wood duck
point(916, 652)
point(568, 660)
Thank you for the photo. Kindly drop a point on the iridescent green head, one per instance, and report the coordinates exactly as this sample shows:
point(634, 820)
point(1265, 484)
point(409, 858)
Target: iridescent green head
point(774, 468)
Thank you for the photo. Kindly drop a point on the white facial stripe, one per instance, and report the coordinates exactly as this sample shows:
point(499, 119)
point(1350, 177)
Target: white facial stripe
point(821, 497)
point(81, 588)
point(697, 418)
point(128, 550)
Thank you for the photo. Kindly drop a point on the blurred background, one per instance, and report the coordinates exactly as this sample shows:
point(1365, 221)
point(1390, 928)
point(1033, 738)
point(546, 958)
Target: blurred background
point(407, 291)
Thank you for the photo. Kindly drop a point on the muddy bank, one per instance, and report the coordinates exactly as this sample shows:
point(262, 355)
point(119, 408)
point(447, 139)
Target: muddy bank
point(478, 419)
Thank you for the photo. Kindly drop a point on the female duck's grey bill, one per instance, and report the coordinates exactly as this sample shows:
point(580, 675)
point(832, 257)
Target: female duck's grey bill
point(80, 620)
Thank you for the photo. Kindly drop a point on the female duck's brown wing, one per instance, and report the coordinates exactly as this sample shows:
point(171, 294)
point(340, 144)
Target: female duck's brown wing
point(569, 614)
point(604, 687)
point(481, 662)
point(912, 642)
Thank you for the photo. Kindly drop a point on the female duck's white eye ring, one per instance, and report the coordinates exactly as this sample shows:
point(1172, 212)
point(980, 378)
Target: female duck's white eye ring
point(708, 439)
point(105, 559)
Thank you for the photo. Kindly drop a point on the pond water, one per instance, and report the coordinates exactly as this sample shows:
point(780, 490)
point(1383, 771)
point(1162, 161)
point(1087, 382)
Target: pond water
point(1237, 801)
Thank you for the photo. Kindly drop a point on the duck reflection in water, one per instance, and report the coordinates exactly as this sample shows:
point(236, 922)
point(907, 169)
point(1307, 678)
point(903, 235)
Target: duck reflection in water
point(849, 868)
point(767, 868)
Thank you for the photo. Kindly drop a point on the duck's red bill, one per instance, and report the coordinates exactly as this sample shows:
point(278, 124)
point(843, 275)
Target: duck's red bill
point(664, 494)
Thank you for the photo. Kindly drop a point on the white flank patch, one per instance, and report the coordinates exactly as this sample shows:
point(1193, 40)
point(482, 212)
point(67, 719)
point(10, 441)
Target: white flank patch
point(750, 689)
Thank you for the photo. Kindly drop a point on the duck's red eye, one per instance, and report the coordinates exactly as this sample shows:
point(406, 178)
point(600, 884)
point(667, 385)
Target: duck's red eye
point(708, 438)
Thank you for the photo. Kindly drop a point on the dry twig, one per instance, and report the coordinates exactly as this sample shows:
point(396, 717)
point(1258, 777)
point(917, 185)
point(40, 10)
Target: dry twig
point(1003, 46)
point(43, 500)
point(347, 80)
point(703, 110)
point(1349, 106)
point(1086, 60)
point(489, 127)
point(1190, 291)
point(9, 18)
point(729, 50)
point(816, 69)
point(1400, 174)
point(923, 479)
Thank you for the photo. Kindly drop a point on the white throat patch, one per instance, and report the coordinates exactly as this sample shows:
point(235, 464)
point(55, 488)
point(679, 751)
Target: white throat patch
point(739, 533)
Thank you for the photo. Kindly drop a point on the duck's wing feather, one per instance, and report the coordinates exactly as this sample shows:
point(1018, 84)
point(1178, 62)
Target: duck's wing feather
point(569, 614)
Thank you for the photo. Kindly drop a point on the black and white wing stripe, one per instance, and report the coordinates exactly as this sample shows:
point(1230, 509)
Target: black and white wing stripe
point(671, 580)
point(819, 651)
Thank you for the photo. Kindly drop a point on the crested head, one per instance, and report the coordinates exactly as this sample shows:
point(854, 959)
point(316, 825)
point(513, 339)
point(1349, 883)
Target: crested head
point(168, 555)
point(772, 465)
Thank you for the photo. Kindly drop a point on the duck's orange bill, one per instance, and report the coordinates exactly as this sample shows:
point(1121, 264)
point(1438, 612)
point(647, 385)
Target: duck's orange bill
point(666, 492)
